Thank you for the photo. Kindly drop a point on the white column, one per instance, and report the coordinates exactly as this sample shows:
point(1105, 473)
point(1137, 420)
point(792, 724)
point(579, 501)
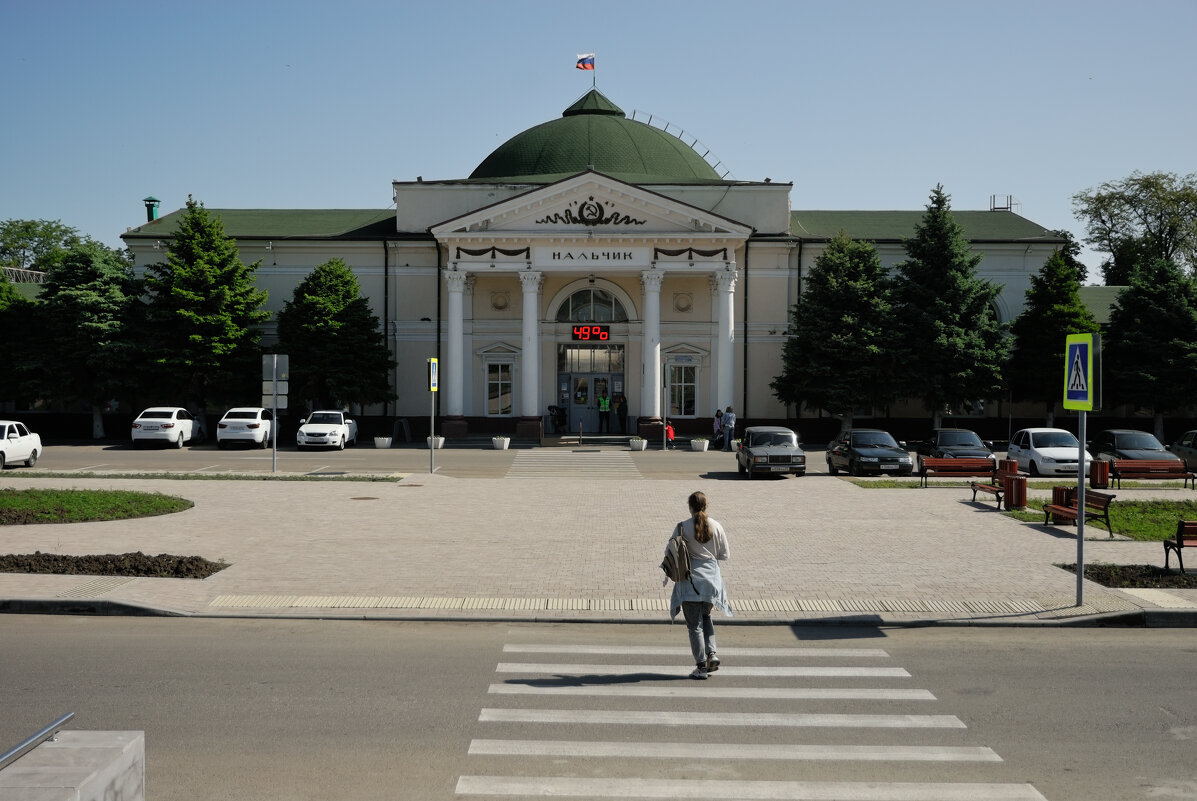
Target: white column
point(530, 363)
point(650, 390)
point(726, 311)
point(454, 348)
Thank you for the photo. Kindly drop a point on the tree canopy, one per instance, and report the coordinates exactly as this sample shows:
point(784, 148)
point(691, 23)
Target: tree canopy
point(203, 313)
point(1139, 220)
point(1053, 310)
point(835, 357)
point(1150, 352)
point(950, 346)
point(338, 354)
point(36, 244)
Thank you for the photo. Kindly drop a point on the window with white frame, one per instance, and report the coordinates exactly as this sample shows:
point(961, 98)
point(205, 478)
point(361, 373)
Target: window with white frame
point(683, 390)
point(499, 389)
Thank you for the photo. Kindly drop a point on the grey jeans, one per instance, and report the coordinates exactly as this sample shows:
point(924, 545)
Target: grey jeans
point(700, 628)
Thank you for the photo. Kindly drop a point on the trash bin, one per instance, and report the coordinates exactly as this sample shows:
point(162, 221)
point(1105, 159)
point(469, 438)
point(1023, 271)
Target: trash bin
point(1014, 491)
point(1099, 474)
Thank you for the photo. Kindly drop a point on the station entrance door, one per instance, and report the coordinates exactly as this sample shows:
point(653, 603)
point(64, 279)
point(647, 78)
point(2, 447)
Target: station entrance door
point(579, 389)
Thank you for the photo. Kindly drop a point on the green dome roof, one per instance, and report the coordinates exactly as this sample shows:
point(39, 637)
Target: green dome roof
point(595, 134)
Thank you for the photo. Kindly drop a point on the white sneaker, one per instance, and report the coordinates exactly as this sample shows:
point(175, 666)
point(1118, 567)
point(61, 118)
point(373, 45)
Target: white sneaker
point(699, 672)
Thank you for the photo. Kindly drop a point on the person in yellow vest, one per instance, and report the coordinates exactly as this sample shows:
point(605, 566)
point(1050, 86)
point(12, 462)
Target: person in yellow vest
point(604, 404)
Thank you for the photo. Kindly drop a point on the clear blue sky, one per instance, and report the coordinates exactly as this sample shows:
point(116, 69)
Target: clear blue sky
point(862, 105)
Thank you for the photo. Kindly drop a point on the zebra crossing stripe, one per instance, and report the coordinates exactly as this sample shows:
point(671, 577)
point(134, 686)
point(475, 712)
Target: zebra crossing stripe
point(692, 690)
point(672, 718)
point(565, 787)
point(661, 650)
point(864, 753)
point(589, 464)
point(680, 670)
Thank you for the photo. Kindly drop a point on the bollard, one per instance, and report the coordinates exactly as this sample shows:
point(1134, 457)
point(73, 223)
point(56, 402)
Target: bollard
point(1099, 474)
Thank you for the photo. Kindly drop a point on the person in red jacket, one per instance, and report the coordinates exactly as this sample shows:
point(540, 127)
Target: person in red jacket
point(668, 434)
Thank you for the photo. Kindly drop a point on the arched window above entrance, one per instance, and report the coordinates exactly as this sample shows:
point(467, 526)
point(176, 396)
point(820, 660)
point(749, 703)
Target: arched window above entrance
point(591, 305)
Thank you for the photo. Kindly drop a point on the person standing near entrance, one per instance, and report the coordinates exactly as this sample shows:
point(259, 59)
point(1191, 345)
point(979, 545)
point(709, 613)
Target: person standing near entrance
point(729, 428)
point(717, 432)
point(703, 592)
point(604, 404)
point(621, 411)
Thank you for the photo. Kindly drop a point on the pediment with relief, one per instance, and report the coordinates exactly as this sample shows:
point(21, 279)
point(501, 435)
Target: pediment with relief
point(591, 205)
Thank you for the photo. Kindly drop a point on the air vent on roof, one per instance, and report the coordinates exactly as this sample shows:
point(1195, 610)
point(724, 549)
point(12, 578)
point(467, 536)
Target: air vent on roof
point(1000, 203)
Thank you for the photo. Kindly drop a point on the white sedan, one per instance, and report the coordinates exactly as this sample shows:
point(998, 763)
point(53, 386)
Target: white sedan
point(18, 444)
point(1046, 452)
point(169, 424)
point(251, 424)
point(332, 429)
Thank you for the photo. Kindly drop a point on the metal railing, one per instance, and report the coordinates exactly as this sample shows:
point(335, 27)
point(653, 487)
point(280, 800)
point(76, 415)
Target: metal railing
point(13, 754)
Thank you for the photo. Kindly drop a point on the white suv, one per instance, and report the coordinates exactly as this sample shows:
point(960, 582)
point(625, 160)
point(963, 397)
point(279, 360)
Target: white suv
point(1046, 452)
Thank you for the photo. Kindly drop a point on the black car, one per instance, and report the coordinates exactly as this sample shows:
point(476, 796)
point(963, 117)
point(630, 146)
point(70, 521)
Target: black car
point(955, 443)
point(1122, 443)
point(868, 450)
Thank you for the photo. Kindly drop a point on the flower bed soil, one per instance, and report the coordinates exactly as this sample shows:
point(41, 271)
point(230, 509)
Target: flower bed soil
point(1117, 576)
point(137, 564)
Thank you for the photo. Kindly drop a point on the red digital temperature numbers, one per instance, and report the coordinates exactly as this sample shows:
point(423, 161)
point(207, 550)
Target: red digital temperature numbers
point(587, 333)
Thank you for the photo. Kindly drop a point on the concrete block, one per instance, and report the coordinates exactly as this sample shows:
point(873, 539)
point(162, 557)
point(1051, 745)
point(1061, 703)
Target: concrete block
point(79, 766)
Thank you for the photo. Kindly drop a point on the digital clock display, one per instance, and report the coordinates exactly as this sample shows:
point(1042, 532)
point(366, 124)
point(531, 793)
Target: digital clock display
point(592, 333)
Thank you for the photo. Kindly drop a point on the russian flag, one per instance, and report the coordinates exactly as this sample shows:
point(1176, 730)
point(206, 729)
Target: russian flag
point(585, 61)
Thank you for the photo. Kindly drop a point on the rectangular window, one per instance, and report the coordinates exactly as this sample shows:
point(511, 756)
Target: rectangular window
point(682, 390)
point(498, 389)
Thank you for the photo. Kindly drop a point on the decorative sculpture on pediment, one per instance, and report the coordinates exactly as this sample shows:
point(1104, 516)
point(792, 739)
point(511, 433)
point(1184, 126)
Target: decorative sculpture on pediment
point(589, 212)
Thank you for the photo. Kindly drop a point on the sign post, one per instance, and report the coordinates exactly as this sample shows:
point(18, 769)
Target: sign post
point(274, 396)
point(432, 387)
point(1082, 393)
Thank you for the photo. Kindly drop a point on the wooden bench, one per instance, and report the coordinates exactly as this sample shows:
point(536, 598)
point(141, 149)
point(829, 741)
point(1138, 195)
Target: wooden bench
point(995, 487)
point(964, 467)
point(1186, 537)
point(1150, 469)
point(1097, 505)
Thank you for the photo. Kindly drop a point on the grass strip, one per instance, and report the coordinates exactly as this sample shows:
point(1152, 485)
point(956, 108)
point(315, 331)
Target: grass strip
point(22, 507)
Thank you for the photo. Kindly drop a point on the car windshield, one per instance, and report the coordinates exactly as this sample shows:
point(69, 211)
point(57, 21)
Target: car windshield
point(873, 439)
point(157, 415)
point(241, 416)
point(1137, 441)
point(959, 438)
point(325, 418)
point(1053, 439)
point(762, 439)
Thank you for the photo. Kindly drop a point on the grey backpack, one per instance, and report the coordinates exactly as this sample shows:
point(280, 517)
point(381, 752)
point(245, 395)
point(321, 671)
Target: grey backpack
point(676, 563)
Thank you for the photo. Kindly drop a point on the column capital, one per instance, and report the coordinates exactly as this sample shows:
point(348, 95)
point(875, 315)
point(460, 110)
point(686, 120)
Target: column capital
point(531, 280)
point(651, 279)
point(726, 280)
point(456, 280)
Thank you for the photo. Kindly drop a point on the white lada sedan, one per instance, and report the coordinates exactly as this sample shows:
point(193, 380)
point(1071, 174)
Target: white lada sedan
point(330, 429)
point(170, 425)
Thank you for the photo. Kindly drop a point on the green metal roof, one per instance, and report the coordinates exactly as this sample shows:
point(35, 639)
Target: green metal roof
point(595, 134)
point(894, 226)
point(1099, 300)
point(284, 224)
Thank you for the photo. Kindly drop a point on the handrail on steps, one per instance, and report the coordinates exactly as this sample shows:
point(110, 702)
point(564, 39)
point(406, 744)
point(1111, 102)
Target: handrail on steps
point(13, 754)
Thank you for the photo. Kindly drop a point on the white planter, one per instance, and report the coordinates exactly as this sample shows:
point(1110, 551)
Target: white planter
point(500, 443)
point(436, 443)
point(637, 444)
point(382, 442)
point(698, 444)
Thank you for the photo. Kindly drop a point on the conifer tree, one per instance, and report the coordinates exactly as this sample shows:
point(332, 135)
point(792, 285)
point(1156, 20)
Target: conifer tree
point(338, 354)
point(950, 346)
point(1053, 310)
point(835, 357)
point(203, 314)
point(1150, 353)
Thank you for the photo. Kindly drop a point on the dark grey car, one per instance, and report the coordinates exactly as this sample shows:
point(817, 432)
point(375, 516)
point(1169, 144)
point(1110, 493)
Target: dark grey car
point(1185, 448)
point(868, 450)
point(770, 450)
point(1121, 443)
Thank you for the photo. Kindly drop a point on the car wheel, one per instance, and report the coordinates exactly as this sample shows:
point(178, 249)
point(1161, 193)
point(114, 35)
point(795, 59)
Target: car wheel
point(179, 441)
point(853, 469)
point(32, 460)
point(1034, 471)
point(223, 444)
point(265, 443)
point(741, 467)
point(1, 461)
point(341, 444)
point(832, 469)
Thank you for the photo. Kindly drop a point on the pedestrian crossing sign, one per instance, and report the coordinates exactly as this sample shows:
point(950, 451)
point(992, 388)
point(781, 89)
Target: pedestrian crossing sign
point(1082, 372)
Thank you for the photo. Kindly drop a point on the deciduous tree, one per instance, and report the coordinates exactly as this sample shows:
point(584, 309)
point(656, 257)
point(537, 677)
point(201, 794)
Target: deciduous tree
point(36, 244)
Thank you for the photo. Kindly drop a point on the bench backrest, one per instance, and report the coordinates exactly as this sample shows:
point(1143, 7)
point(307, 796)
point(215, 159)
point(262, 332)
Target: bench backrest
point(1093, 498)
point(1186, 532)
point(1169, 466)
point(966, 464)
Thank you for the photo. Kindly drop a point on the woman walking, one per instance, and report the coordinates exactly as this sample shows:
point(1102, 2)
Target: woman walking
point(703, 591)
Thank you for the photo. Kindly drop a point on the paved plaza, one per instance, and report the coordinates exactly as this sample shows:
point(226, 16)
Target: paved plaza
point(576, 534)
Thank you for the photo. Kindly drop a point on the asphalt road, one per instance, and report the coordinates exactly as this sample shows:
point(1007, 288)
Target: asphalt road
point(254, 709)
